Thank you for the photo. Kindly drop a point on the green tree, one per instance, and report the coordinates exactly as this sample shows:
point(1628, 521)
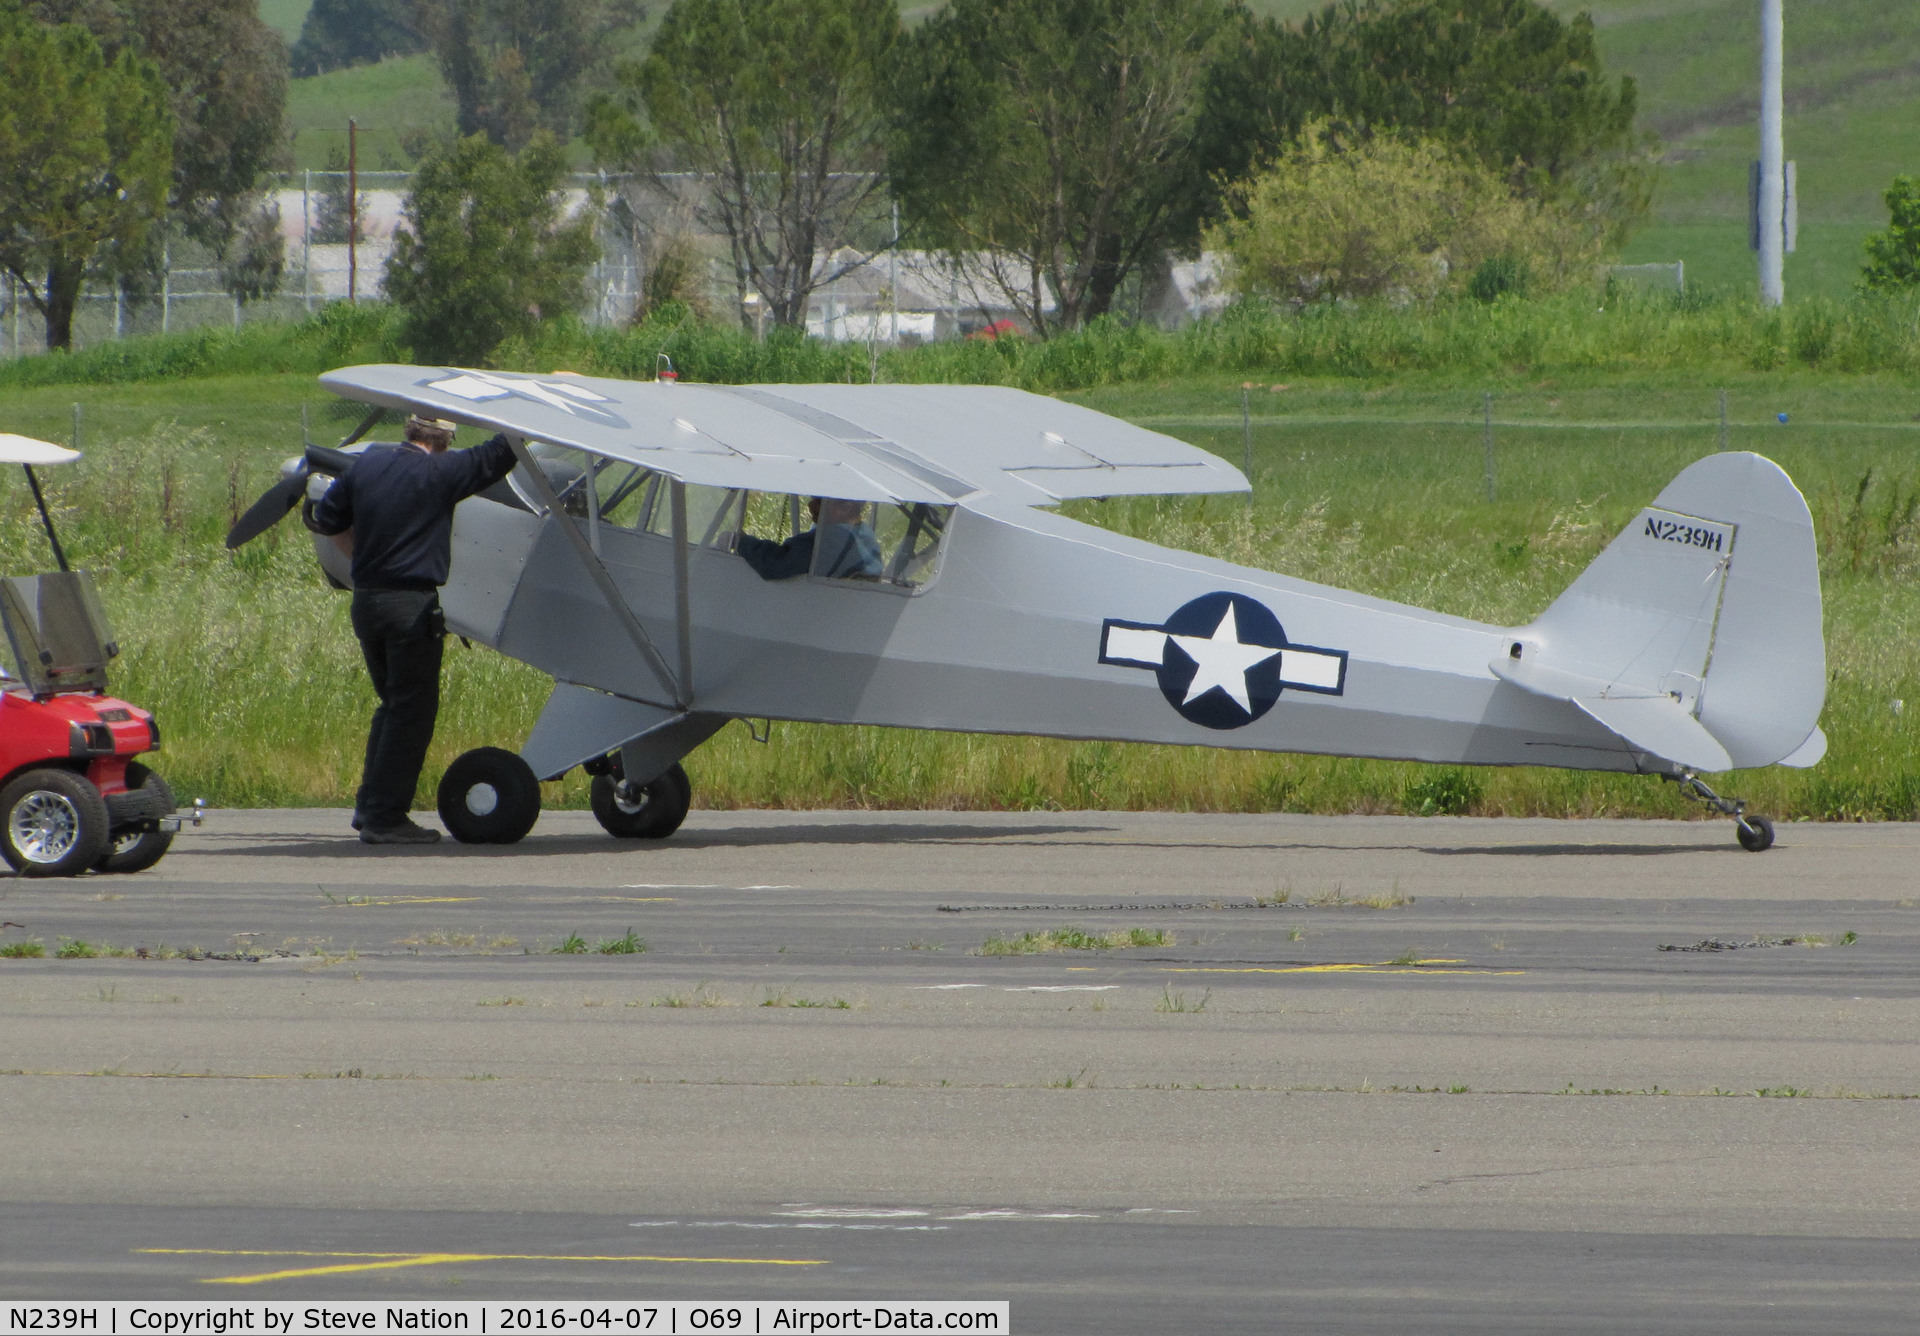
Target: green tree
point(517, 67)
point(1393, 216)
point(1059, 133)
point(226, 73)
point(776, 106)
point(339, 33)
point(85, 152)
point(485, 251)
point(1893, 256)
point(1506, 81)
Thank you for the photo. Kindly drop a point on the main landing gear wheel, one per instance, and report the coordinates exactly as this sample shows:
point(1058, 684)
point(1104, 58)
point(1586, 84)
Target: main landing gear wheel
point(489, 796)
point(1755, 834)
point(138, 850)
point(53, 823)
point(650, 811)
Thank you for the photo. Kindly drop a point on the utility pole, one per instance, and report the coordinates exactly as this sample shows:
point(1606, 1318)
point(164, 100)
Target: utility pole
point(353, 208)
point(1773, 182)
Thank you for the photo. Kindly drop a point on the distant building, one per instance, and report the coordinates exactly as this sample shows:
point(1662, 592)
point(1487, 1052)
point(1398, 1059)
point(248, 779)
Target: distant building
point(913, 296)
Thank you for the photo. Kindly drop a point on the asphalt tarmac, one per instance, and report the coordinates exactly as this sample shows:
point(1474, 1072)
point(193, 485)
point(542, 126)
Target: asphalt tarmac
point(1358, 1074)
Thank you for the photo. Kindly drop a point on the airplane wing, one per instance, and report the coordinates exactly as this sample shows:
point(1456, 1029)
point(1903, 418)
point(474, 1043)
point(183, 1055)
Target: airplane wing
point(938, 444)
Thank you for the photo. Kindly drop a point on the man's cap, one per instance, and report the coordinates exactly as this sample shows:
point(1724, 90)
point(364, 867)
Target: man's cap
point(418, 423)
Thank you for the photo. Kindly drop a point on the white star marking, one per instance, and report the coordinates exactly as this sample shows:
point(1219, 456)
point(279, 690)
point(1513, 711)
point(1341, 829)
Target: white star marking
point(479, 385)
point(1221, 660)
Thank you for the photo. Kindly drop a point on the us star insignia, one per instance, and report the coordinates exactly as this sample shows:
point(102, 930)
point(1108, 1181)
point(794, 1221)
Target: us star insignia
point(1223, 659)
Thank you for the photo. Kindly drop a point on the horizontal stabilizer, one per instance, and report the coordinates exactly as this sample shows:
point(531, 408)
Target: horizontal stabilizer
point(1809, 752)
point(1648, 721)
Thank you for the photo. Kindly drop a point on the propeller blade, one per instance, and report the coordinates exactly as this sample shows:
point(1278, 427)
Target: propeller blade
point(269, 510)
point(325, 459)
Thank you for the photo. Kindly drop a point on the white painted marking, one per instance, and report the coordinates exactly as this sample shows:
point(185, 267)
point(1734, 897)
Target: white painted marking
point(1305, 668)
point(1064, 988)
point(469, 387)
point(1133, 645)
point(930, 987)
point(778, 1224)
point(1022, 1215)
point(1222, 660)
point(859, 1212)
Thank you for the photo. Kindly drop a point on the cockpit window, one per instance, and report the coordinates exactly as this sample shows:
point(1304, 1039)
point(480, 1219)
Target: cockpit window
point(712, 515)
point(624, 492)
point(830, 538)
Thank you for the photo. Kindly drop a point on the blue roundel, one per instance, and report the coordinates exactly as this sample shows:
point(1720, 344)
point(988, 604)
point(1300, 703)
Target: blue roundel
point(1221, 664)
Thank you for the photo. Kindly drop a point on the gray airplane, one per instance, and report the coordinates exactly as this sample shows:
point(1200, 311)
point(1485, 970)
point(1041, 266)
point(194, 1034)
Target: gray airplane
point(679, 556)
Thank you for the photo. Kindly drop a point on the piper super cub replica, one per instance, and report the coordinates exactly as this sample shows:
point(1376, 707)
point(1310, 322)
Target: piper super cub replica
point(938, 589)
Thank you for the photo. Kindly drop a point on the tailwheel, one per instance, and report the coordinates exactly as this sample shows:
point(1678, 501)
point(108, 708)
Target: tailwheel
point(650, 811)
point(489, 796)
point(1755, 833)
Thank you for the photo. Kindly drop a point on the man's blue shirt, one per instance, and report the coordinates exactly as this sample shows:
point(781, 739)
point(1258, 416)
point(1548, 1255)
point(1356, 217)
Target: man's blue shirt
point(399, 501)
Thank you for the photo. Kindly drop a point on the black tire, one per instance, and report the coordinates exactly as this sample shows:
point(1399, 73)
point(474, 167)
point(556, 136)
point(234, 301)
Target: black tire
point(138, 850)
point(489, 796)
point(1755, 833)
point(661, 807)
point(53, 823)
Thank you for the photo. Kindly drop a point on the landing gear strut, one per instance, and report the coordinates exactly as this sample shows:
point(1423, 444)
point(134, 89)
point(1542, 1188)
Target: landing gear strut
point(1755, 833)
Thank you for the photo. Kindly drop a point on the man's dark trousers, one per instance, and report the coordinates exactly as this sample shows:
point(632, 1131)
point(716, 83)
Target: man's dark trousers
point(402, 634)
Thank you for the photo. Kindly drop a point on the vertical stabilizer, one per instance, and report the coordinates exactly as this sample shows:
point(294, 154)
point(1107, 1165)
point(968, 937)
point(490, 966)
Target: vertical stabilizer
point(1709, 601)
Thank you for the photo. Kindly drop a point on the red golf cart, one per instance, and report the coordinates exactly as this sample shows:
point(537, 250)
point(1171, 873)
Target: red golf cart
point(72, 796)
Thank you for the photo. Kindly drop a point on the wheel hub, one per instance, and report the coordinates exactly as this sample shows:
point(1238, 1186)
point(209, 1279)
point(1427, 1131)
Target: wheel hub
point(482, 799)
point(45, 826)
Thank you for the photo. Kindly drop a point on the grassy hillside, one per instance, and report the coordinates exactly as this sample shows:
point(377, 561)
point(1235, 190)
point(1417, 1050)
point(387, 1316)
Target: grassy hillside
point(390, 100)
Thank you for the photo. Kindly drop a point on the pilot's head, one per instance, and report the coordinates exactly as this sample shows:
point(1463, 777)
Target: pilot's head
point(430, 434)
point(833, 510)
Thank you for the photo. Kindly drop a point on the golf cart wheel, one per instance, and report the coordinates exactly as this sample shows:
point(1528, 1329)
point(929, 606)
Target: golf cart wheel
point(53, 823)
point(138, 850)
point(489, 796)
point(1755, 833)
point(653, 812)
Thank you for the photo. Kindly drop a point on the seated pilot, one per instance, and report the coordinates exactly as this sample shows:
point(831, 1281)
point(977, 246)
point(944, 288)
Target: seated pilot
point(841, 544)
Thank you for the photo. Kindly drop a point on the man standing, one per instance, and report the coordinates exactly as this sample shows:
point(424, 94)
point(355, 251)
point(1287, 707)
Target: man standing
point(394, 510)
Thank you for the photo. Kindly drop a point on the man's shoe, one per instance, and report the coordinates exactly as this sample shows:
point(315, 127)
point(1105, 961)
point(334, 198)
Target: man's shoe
point(404, 833)
point(359, 822)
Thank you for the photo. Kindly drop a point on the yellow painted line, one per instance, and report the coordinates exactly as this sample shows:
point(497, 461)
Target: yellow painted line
point(360, 902)
point(391, 1261)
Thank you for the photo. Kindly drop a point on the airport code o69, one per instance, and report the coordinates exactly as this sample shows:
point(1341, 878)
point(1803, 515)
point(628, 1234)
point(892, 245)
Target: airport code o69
point(490, 1319)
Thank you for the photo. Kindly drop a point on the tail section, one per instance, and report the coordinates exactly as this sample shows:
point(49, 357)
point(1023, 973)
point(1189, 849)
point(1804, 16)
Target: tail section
point(1696, 636)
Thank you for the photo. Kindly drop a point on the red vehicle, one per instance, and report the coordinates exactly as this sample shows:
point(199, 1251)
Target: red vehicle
point(72, 796)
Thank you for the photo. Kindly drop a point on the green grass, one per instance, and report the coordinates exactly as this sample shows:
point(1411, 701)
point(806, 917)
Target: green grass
point(402, 96)
point(22, 951)
point(285, 16)
point(1049, 940)
point(1369, 481)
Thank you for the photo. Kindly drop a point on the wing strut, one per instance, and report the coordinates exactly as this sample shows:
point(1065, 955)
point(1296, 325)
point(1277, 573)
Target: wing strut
point(610, 591)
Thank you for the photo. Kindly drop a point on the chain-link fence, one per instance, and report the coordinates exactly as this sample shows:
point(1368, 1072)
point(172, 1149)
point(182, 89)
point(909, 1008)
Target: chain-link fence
point(330, 253)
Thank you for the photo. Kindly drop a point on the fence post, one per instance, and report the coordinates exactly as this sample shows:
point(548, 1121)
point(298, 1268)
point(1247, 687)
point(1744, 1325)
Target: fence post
point(1723, 422)
point(1246, 435)
point(1487, 437)
point(353, 210)
point(76, 426)
point(306, 239)
point(166, 287)
point(119, 309)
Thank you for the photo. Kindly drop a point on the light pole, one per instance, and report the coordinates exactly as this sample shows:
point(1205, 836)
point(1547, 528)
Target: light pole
point(1773, 182)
